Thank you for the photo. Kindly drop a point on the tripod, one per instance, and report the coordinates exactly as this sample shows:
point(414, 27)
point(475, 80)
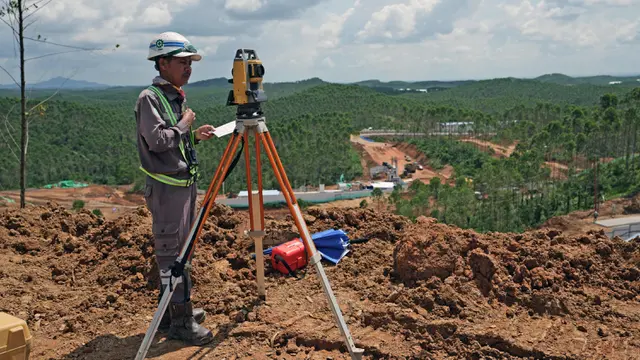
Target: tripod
point(248, 123)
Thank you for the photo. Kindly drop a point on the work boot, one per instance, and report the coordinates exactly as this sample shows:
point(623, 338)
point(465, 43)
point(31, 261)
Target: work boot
point(198, 314)
point(184, 326)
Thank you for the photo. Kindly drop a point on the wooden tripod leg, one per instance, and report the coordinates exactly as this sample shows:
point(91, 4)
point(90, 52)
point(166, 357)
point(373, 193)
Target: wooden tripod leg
point(258, 220)
point(256, 211)
point(314, 255)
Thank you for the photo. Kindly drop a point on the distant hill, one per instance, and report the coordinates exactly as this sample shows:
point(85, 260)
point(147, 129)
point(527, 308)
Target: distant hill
point(60, 82)
point(384, 86)
point(498, 95)
point(224, 83)
point(215, 91)
point(590, 80)
point(215, 82)
point(554, 78)
point(417, 85)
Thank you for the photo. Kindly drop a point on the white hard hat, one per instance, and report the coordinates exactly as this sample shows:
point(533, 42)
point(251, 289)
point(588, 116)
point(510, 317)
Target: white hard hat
point(174, 44)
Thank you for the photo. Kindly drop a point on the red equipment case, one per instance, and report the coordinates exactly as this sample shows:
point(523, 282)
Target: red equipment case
point(291, 254)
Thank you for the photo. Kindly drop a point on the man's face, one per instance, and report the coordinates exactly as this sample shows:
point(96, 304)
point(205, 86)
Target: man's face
point(177, 70)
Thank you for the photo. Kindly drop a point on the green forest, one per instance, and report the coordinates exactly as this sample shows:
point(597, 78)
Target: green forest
point(522, 191)
point(89, 136)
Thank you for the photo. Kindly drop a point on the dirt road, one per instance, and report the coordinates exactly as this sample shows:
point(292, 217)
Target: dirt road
point(498, 150)
point(112, 201)
point(558, 170)
point(380, 152)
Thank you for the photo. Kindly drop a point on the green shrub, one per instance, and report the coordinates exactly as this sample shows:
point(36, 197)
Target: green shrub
point(78, 204)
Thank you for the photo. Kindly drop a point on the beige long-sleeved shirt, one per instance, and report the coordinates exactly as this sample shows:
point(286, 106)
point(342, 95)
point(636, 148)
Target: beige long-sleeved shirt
point(158, 141)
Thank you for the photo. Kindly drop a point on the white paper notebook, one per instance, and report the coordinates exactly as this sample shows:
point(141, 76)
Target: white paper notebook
point(225, 129)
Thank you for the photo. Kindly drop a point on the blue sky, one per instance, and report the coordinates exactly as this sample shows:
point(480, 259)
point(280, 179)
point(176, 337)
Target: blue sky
point(338, 40)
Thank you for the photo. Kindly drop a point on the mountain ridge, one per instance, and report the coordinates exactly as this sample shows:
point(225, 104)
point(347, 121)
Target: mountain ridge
point(222, 82)
point(59, 82)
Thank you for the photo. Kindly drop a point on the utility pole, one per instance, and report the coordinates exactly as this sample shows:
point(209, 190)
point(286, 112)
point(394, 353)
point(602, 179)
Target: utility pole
point(23, 110)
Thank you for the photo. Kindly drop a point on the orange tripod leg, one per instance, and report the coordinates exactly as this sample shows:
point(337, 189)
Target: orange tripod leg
point(286, 186)
point(314, 256)
point(219, 170)
point(214, 188)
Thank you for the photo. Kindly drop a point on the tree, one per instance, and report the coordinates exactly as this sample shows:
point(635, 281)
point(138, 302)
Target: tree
point(377, 196)
point(14, 13)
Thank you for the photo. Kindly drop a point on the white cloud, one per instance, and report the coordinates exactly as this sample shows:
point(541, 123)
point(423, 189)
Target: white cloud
point(575, 25)
point(340, 40)
point(413, 20)
point(156, 15)
point(608, 2)
point(328, 62)
point(396, 20)
point(240, 5)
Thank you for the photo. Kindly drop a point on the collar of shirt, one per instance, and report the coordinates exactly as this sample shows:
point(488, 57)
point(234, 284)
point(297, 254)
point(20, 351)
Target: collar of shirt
point(171, 90)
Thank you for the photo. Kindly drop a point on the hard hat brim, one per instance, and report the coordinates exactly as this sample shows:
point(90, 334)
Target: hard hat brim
point(194, 57)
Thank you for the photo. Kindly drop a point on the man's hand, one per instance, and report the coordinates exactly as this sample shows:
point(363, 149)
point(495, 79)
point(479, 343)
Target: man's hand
point(204, 132)
point(189, 117)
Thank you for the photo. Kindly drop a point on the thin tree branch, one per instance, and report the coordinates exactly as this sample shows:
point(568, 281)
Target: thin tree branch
point(47, 99)
point(12, 78)
point(42, 102)
point(31, 90)
point(29, 24)
point(10, 147)
point(13, 30)
point(7, 124)
point(7, 120)
point(36, 10)
point(10, 25)
point(58, 44)
point(35, 3)
point(56, 53)
point(26, 144)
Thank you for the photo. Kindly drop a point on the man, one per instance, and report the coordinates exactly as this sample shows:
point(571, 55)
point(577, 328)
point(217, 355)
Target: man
point(166, 146)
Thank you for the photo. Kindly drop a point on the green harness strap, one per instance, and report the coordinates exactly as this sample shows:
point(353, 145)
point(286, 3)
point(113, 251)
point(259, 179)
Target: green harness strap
point(193, 170)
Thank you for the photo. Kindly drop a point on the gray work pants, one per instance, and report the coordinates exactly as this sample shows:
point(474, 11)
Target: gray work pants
point(173, 211)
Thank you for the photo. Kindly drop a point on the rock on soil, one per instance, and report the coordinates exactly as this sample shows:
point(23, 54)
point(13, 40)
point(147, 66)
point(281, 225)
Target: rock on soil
point(423, 290)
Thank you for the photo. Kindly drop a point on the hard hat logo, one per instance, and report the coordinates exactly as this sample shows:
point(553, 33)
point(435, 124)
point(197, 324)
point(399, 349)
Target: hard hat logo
point(159, 44)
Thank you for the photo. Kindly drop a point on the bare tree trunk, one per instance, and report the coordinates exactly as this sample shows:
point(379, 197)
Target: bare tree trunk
point(23, 110)
point(633, 147)
point(627, 143)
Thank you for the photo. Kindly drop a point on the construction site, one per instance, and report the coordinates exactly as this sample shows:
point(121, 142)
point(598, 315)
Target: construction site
point(432, 182)
point(87, 288)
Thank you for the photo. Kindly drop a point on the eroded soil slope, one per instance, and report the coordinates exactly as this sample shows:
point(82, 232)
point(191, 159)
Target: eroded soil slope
point(413, 291)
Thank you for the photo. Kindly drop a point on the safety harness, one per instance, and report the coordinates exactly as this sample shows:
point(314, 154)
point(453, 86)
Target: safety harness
point(191, 161)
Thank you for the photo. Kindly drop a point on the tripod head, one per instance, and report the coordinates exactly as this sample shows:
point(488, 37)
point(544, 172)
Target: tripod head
point(247, 93)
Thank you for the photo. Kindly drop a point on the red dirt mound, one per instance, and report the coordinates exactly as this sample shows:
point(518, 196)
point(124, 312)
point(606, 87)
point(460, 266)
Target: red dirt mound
point(587, 286)
point(413, 291)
